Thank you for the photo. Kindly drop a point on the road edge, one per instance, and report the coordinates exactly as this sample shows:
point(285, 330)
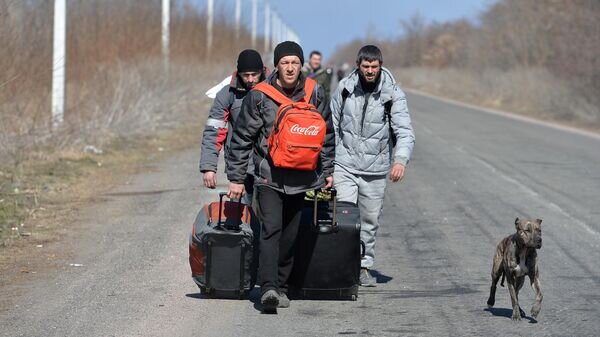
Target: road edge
point(507, 114)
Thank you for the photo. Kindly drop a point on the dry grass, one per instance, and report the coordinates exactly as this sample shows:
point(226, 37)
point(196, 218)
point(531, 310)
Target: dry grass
point(118, 118)
point(118, 91)
point(534, 57)
point(528, 91)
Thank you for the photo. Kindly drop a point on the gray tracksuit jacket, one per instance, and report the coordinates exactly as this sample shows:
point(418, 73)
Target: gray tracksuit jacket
point(217, 132)
point(250, 134)
point(362, 134)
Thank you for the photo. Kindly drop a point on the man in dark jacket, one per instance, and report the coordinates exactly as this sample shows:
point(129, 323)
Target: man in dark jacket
point(314, 70)
point(225, 110)
point(279, 192)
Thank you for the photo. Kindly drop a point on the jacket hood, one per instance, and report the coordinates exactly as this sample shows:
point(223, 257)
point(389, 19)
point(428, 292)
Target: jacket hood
point(385, 86)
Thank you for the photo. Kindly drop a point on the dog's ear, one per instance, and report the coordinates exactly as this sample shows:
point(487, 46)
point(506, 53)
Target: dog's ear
point(539, 221)
point(517, 223)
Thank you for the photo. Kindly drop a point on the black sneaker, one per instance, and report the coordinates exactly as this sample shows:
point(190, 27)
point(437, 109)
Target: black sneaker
point(270, 301)
point(366, 280)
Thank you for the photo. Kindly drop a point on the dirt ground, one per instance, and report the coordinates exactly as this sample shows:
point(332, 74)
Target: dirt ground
point(85, 179)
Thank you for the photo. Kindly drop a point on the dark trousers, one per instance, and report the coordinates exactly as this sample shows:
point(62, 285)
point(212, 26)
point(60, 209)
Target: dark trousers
point(280, 218)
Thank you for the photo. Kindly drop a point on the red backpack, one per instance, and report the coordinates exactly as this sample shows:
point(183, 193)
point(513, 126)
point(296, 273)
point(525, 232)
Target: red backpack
point(298, 132)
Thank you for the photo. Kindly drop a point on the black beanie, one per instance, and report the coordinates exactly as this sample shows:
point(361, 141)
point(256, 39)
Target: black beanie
point(288, 48)
point(249, 60)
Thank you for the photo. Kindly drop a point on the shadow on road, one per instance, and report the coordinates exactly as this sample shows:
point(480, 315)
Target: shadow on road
point(197, 296)
point(254, 298)
point(507, 312)
point(381, 278)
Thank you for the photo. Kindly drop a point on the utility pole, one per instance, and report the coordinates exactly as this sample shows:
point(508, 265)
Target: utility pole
point(267, 27)
point(166, 17)
point(238, 17)
point(59, 63)
point(284, 31)
point(209, 28)
point(275, 30)
point(254, 15)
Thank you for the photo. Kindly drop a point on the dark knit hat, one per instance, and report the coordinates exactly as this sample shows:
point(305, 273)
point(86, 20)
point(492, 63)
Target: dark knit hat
point(288, 48)
point(249, 60)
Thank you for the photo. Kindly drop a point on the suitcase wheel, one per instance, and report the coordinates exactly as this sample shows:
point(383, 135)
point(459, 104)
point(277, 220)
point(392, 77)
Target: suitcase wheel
point(353, 298)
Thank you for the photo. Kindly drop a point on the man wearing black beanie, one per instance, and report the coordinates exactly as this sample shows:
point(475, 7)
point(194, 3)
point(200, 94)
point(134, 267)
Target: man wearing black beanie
point(279, 191)
point(287, 48)
point(224, 111)
point(249, 61)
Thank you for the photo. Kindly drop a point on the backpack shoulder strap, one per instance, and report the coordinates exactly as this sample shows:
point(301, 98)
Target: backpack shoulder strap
point(273, 93)
point(309, 87)
point(387, 108)
point(345, 94)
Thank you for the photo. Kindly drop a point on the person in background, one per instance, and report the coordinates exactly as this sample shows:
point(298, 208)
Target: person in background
point(224, 111)
point(342, 69)
point(314, 70)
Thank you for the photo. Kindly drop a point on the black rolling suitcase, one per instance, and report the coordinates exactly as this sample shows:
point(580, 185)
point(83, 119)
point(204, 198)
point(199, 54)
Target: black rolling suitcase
point(223, 249)
point(328, 252)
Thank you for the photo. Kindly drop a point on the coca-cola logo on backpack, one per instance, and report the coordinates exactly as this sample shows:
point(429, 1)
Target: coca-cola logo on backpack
point(312, 130)
point(298, 132)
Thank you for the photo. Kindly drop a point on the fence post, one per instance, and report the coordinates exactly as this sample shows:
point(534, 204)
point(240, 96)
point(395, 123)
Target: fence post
point(274, 33)
point(267, 27)
point(254, 16)
point(59, 63)
point(209, 28)
point(166, 16)
point(238, 17)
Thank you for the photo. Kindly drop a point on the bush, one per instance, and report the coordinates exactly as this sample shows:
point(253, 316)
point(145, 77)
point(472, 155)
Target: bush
point(544, 54)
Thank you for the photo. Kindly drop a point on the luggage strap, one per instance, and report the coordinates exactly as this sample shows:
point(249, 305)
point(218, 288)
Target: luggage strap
point(332, 227)
point(242, 269)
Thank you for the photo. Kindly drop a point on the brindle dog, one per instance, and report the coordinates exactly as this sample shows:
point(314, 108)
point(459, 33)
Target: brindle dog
point(515, 257)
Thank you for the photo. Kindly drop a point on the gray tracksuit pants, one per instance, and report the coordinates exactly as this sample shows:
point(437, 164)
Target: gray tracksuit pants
point(367, 191)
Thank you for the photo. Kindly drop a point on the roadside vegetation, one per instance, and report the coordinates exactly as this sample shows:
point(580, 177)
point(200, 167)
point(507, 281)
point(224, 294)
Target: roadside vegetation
point(537, 58)
point(122, 103)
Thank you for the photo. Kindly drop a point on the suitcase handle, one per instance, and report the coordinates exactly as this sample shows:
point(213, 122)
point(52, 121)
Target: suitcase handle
point(239, 203)
point(326, 226)
point(363, 246)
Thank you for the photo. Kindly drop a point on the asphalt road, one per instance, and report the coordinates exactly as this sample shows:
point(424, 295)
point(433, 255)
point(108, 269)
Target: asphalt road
point(472, 173)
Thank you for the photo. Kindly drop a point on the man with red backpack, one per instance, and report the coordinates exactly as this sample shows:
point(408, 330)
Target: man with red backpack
point(285, 123)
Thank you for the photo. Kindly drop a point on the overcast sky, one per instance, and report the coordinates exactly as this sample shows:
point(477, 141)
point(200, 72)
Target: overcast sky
point(325, 24)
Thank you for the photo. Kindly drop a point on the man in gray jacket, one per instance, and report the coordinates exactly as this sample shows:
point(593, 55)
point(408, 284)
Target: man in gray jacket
point(373, 139)
point(224, 111)
point(279, 192)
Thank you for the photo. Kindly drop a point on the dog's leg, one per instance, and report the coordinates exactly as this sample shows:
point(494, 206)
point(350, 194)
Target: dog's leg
point(516, 314)
point(497, 271)
point(535, 284)
point(519, 284)
point(492, 299)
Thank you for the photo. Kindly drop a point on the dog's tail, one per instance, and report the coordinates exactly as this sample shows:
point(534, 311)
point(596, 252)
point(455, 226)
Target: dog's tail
point(502, 281)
